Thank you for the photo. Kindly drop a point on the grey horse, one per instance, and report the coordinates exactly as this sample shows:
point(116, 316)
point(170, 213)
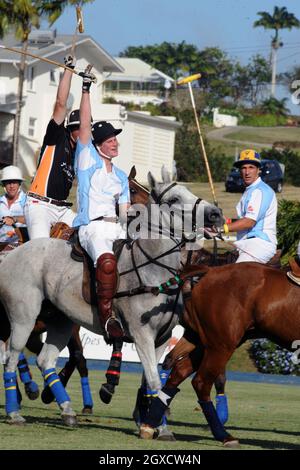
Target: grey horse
point(43, 269)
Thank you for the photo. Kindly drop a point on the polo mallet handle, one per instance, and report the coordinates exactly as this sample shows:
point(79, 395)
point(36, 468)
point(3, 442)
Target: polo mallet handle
point(79, 27)
point(80, 24)
point(43, 59)
point(188, 81)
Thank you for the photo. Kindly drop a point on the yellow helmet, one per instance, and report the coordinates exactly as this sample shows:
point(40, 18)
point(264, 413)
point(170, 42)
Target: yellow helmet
point(248, 156)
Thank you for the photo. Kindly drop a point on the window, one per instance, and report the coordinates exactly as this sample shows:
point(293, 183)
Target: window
point(124, 86)
point(110, 86)
point(30, 78)
point(31, 126)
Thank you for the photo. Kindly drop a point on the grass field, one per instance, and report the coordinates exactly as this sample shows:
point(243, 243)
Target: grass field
point(266, 135)
point(262, 416)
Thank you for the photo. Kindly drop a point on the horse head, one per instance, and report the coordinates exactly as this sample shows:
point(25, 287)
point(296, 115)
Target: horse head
point(186, 210)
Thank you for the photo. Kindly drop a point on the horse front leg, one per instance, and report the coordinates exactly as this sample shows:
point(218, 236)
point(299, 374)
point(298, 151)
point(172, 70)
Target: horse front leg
point(183, 366)
point(145, 397)
point(113, 372)
point(212, 365)
point(57, 338)
point(31, 387)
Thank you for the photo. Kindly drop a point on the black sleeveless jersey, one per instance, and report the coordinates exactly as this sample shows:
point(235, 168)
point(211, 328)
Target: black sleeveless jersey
point(55, 172)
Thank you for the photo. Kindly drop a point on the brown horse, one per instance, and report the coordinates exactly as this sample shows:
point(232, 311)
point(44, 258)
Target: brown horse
point(228, 305)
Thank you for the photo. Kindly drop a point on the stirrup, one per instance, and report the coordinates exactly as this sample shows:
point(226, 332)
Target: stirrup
point(293, 277)
point(116, 320)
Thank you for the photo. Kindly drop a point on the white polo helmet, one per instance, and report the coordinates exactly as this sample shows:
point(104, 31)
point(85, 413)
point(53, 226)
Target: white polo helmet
point(11, 173)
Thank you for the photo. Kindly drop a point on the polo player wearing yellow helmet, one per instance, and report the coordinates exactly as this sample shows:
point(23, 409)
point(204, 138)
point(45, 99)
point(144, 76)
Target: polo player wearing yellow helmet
point(257, 212)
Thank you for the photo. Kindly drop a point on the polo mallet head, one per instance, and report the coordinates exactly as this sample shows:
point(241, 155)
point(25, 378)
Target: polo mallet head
point(79, 15)
point(189, 79)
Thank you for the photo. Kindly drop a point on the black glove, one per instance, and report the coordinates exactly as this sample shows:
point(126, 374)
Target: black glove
point(87, 79)
point(70, 61)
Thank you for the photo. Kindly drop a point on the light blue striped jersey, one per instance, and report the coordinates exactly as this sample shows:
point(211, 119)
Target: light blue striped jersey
point(259, 203)
point(98, 191)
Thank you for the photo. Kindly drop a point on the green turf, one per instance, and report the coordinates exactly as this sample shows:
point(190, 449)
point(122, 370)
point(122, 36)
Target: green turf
point(267, 135)
point(262, 416)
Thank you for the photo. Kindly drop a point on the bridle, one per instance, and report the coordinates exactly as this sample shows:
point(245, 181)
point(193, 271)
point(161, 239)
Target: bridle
point(155, 260)
point(158, 200)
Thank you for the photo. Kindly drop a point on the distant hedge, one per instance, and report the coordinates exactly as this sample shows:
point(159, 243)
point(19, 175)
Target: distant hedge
point(264, 120)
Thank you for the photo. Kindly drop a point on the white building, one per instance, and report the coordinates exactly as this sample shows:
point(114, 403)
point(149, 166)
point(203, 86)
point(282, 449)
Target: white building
point(139, 83)
point(146, 142)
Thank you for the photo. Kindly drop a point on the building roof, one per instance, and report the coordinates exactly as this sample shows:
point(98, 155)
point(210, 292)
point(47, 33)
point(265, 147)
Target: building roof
point(55, 44)
point(136, 70)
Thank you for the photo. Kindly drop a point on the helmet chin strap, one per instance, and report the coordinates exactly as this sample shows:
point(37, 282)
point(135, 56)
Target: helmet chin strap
point(102, 154)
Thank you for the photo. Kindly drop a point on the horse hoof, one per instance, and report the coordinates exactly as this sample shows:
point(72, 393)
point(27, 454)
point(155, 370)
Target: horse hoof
point(16, 419)
point(87, 410)
point(231, 443)
point(47, 396)
point(32, 393)
point(69, 420)
point(164, 434)
point(146, 432)
point(106, 392)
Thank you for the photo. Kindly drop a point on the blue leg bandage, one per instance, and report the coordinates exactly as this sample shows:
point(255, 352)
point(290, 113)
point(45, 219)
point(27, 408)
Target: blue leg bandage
point(214, 423)
point(159, 405)
point(164, 375)
point(222, 408)
point(53, 381)
point(23, 368)
point(10, 385)
point(86, 393)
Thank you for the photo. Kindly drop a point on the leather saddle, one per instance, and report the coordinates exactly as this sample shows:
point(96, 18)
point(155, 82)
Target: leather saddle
point(88, 278)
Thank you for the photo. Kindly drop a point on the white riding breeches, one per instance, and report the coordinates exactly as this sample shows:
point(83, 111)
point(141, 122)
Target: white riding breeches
point(40, 216)
point(98, 237)
point(255, 249)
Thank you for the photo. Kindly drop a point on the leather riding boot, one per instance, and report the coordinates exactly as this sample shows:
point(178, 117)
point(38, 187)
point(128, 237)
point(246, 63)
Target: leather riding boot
point(106, 287)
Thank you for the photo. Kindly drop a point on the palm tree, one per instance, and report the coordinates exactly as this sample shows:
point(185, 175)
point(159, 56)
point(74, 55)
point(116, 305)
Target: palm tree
point(274, 106)
point(22, 16)
point(281, 19)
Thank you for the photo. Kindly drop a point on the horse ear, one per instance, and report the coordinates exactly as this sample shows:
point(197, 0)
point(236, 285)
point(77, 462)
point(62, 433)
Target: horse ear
point(151, 180)
point(132, 173)
point(166, 177)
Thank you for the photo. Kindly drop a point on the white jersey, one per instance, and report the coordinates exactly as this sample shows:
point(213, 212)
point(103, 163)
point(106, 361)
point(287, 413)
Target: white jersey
point(259, 203)
point(98, 191)
point(7, 232)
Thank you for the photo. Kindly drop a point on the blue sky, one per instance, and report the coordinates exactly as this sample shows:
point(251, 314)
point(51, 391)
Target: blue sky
point(228, 24)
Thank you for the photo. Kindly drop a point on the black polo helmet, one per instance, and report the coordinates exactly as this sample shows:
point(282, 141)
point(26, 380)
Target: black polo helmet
point(102, 130)
point(73, 120)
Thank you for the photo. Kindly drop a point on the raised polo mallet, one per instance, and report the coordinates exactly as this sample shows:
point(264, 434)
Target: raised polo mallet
point(79, 27)
point(43, 59)
point(79, 15)
point(188, 81)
